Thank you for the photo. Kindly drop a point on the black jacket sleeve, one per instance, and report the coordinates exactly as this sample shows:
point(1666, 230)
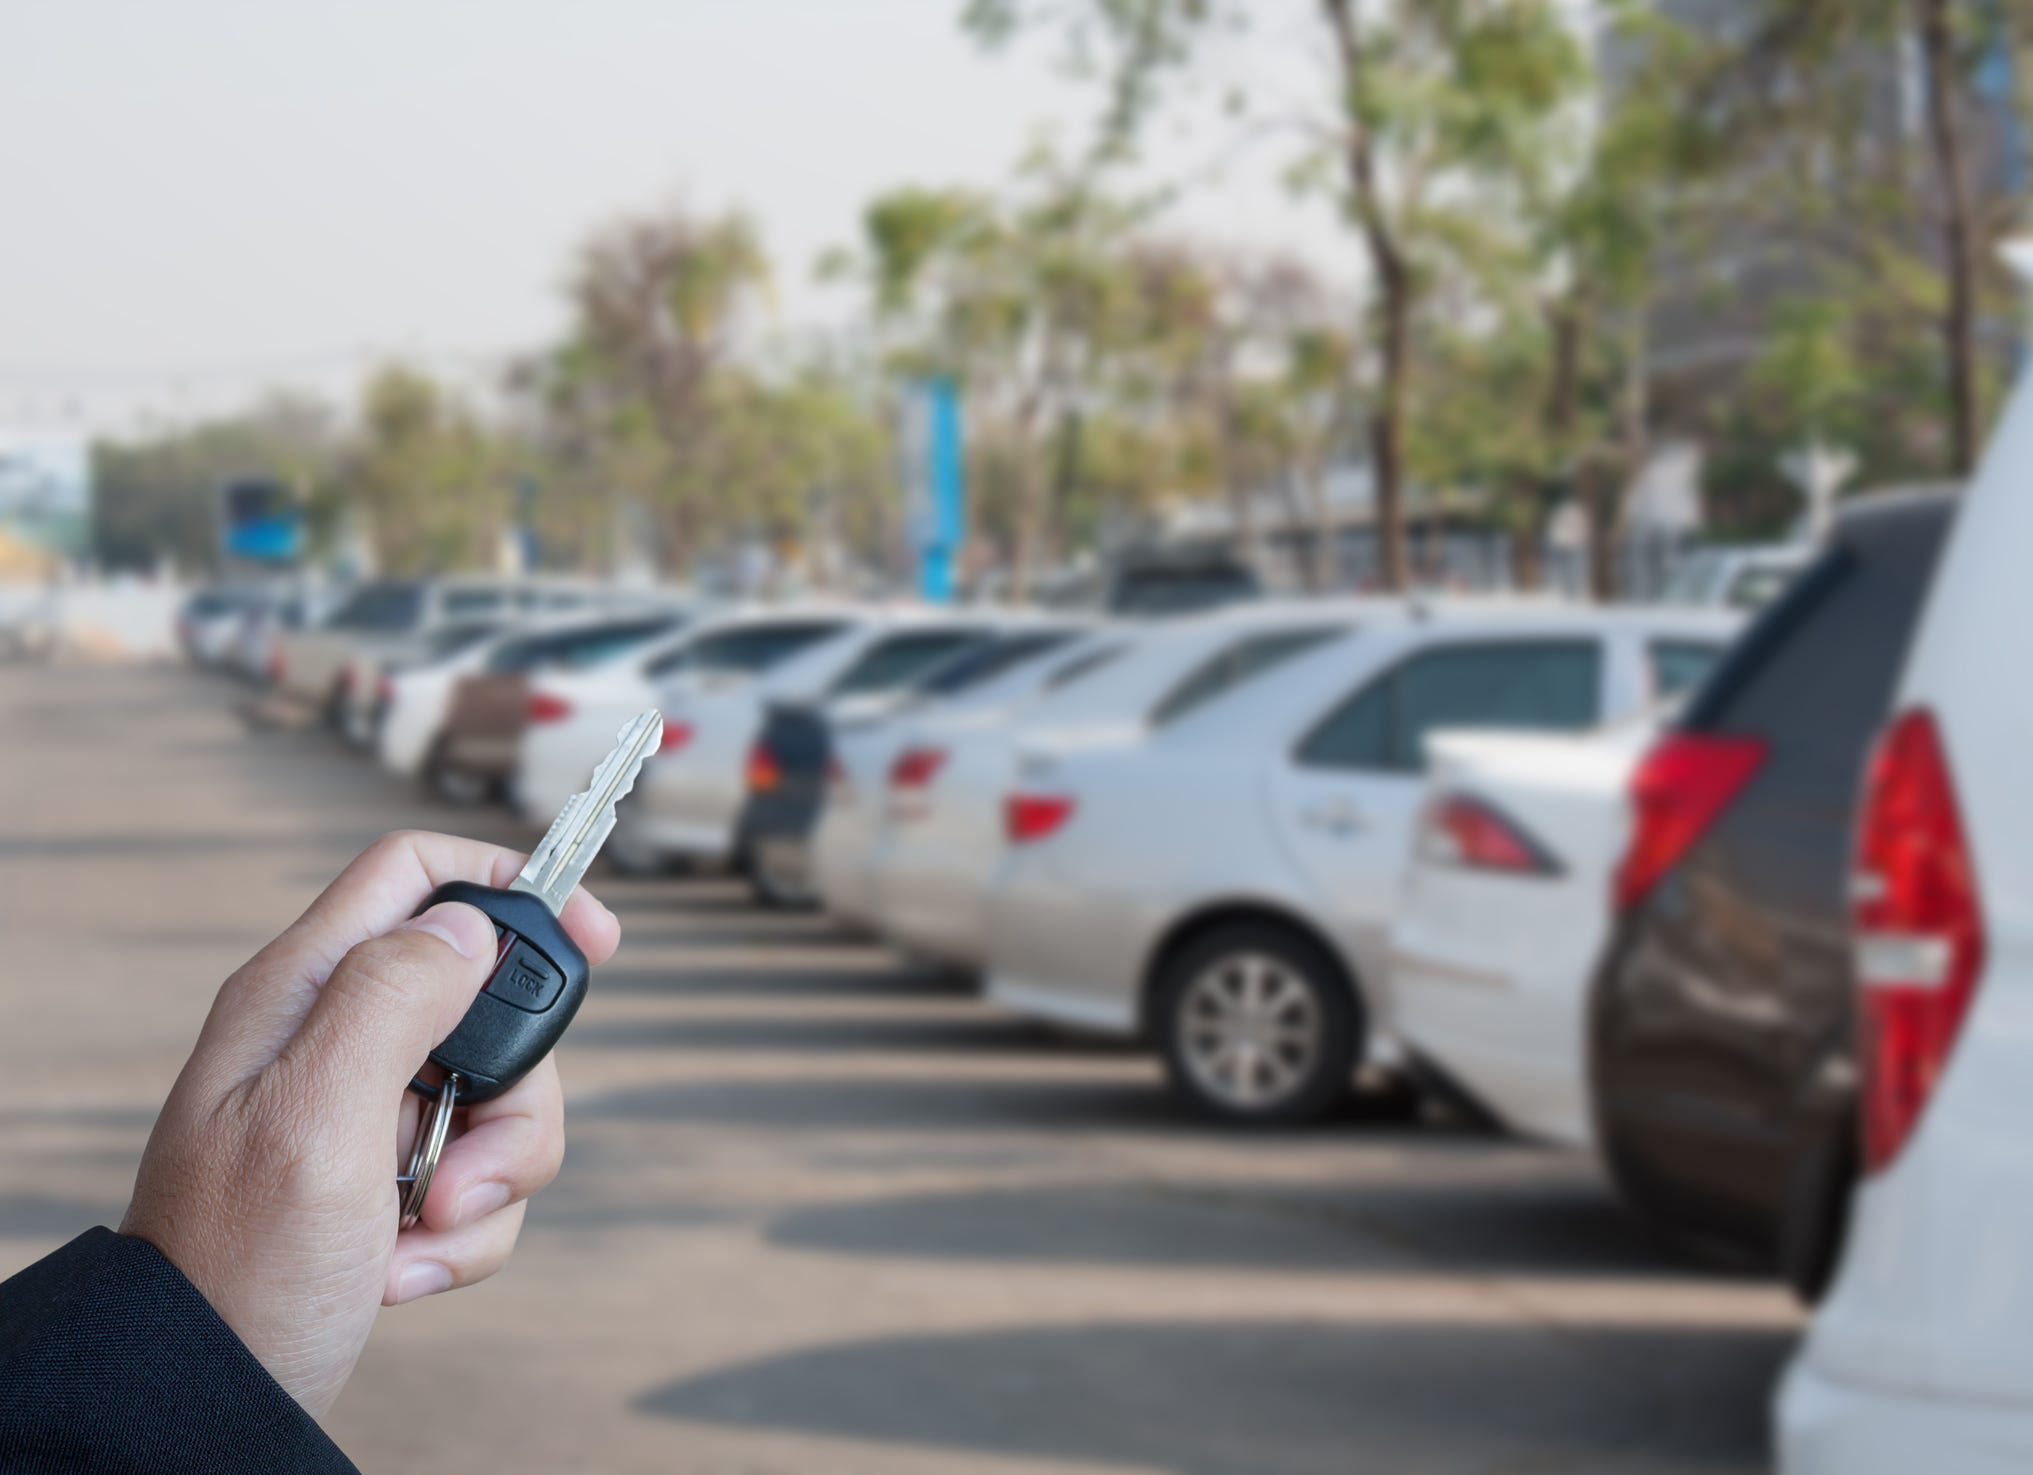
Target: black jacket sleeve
point(111, 1361)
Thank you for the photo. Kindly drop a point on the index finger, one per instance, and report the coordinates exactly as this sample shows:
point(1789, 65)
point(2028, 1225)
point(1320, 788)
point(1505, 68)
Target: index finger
point(269, 998)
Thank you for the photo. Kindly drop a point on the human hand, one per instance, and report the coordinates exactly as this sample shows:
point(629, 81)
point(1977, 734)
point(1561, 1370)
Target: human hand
point(269, 1179)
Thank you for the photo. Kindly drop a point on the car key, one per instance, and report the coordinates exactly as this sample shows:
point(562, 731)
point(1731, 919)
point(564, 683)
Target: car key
point(539, 976)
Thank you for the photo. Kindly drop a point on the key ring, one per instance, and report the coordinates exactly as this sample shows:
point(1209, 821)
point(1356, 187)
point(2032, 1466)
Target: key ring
point(430, 1145)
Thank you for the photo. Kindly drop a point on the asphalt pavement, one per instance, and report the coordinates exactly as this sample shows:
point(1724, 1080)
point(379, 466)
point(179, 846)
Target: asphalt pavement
point(826, 1212)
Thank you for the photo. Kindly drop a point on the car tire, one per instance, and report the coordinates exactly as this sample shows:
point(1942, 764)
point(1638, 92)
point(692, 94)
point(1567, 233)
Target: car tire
point(1257, 1025)
point(775, 893)
point(463, 790)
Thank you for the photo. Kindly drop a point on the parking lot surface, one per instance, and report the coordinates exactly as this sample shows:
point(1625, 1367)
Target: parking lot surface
point(823, 1211)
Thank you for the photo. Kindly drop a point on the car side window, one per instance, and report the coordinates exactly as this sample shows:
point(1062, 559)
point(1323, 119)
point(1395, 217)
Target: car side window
point(1548, 686)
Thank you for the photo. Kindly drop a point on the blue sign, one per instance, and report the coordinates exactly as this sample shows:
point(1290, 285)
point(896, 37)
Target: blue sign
point(261, 521)
point(935, 478)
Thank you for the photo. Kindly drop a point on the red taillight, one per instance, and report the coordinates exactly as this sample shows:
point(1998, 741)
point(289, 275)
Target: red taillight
point(676, 735)
point(915, 768)
point(1919, 931)
point(1462, 831)
point(545, 707)
point(1686, 780)
point(1027, 818)
point(763, 772)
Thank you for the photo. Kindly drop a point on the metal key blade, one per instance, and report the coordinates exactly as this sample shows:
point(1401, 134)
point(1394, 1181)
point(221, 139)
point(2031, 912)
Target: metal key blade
point(582, 826)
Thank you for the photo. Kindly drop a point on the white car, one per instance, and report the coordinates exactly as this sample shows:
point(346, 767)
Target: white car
point(1505, 909)
point(1222, 884)
point(1921, 1356)
point(689, 800)
point(880, 766)
point(414, 698)
point(574, 715)
point(209, 623)
point(941, 837)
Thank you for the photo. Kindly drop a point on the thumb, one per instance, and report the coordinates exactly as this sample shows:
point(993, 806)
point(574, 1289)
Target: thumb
point(392, 998)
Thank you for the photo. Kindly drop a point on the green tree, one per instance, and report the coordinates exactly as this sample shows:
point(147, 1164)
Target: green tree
point(430, 483)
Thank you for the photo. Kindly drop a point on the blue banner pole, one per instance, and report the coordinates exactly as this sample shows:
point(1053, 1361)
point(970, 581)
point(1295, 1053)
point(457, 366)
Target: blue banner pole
point(945, 479)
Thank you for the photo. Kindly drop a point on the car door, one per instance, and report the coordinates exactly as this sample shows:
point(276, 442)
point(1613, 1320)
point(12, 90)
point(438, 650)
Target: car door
point(1347, 794)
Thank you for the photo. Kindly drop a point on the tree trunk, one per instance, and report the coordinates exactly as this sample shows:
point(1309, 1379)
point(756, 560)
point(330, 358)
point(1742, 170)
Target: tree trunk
point(1393, 276)
point(1387, 425)
point(1326, 549)
point(1958, 230)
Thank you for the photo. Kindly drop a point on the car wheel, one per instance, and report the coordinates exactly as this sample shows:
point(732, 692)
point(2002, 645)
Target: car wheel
point(452, 784)
point(779, 893)
point(627, 855)
point(1257, 1025)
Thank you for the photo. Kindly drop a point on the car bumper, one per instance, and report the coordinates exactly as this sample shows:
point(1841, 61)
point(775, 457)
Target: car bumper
point(1832, 1428)
point(933, 899)
point(843, 868)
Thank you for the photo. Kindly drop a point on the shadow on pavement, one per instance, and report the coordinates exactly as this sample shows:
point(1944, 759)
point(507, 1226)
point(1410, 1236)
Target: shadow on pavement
point(1277, 1398)
point(1471, 1226)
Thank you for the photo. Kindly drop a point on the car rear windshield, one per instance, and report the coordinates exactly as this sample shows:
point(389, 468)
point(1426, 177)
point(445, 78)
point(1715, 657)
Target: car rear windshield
point(383, 607)
point(1241, 661)
point(993, 658)
point(1678, 666)
point(585, 646)
point(210, 602)
point(746, 650)
point(1549, 685)
point(896, 661)
point(1083, 664)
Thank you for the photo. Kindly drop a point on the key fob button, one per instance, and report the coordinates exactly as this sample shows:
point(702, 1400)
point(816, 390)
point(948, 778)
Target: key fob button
point(526, 979)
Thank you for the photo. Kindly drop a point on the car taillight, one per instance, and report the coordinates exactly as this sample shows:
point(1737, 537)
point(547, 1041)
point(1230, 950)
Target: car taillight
point(1919, 931)
point(1684, 782)
point(278, 664)
point(915, 768)
point(763, 772)
point(546, 707)
point(1028, 818)
point(676, 735)
point(1467, 832)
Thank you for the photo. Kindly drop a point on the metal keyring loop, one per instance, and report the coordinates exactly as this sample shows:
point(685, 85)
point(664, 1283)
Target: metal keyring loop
point(430, 1145)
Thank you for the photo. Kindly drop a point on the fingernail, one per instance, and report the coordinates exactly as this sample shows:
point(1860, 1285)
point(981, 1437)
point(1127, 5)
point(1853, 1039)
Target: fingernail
point(425, 1278)
point(466, 929)
point(477, 1201)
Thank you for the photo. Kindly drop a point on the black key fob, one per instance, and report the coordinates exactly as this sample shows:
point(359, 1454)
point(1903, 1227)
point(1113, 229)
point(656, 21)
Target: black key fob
point(538, 982)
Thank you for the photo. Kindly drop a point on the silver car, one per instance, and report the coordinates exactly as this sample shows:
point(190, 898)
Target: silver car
point(1221, 883)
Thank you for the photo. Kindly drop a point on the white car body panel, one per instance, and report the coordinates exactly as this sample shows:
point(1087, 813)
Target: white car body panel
point(1489, 971)
point(1922, 1353)
point(1076, 922)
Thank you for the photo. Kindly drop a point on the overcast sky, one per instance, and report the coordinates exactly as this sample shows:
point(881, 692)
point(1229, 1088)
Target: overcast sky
point(205, 195)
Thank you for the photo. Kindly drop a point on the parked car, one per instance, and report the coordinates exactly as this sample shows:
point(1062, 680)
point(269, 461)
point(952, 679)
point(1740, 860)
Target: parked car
point(323, 665)
point(872, 785)
point(1921, 1357)
point(689, 799)
point(811, 755)
point(1721, 1056)
point(939, 825)
point(574, 715)
point(1178, 582)
point(210, 620)
point(1747, 577)
point(256, 643)
point(1222, 885)
point(479, 740)
point(363, 681)
point(1506, 908)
